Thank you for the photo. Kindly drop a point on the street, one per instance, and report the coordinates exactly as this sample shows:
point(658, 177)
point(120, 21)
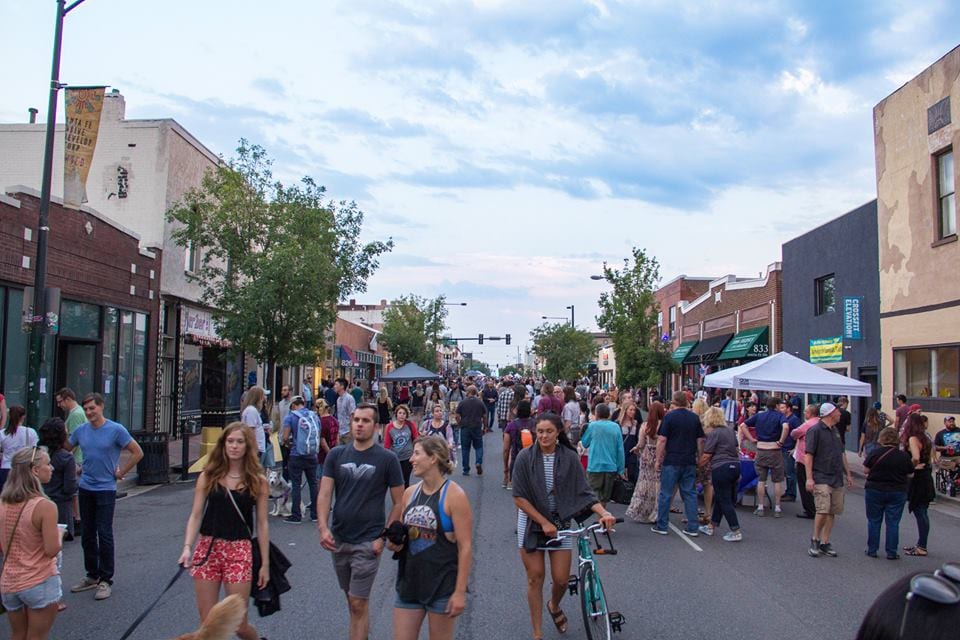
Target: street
point(666, 586)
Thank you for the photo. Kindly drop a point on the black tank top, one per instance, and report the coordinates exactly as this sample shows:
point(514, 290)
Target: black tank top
point(222, 521)
point(430, 571)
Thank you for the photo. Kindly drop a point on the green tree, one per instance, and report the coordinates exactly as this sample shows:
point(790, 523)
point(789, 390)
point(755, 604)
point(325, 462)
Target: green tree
point(412, 327)
point(275, 258)
point(628, 312)
point(565, 349)
point(511, 369)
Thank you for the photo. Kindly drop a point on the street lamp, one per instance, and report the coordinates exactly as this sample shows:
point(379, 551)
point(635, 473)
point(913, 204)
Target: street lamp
point(553, 317)
point(454, 304)
point(572, 321)
point(597, 277)
point(38, 321)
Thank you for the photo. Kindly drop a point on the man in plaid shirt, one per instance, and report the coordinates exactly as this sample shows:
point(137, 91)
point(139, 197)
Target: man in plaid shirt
point(504, 400)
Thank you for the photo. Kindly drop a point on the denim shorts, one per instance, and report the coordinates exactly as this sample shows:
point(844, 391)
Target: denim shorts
point(437, 606)
point(36, 597)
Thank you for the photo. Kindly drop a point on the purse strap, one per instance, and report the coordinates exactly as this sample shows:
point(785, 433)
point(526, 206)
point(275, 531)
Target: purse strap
point(13, 531)
point(239, 513)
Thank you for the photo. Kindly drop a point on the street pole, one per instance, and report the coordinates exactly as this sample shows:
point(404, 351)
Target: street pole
point(38, 318)
point(573, 322)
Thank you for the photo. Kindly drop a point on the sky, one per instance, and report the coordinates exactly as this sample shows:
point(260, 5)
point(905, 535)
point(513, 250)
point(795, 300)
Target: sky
point(511, 148)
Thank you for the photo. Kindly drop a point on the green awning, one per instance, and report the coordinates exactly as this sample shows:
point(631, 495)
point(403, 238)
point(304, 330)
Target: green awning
point(684, 348)
point(751, 344)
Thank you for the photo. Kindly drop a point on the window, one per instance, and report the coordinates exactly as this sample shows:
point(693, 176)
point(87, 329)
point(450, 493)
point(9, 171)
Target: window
point(826, 295)
point(192, 262)
point(927, 372)
point(659, 323)
point(673, 322)
point(946, 196)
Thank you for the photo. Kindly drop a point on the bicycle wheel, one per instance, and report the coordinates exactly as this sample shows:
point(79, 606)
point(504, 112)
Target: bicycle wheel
point(593, 602)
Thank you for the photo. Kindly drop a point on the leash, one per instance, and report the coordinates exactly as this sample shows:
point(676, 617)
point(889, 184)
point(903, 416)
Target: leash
point(136, 623)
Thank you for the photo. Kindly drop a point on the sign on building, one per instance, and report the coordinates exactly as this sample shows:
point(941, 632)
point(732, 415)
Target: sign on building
point(826, 350)
point(852, 306)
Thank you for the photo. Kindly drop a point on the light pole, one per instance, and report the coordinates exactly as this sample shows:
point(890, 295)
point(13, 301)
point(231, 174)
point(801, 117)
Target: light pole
point(38, 319)
point(572, 321)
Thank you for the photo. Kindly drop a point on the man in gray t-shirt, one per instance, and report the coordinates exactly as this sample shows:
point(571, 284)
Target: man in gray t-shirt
point(346, 405)
point(826, 465)
point(359, 474)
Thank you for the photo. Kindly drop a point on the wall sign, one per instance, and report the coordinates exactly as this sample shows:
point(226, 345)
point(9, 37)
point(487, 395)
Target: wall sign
point(852, 306)
point(826, 350)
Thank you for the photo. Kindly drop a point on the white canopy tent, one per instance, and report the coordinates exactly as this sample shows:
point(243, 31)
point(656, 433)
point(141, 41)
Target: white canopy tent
point(784, 372)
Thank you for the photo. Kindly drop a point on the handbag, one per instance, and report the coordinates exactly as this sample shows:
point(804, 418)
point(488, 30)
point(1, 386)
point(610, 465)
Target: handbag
point(622, 491)
point(3, 562)
point(277, 564)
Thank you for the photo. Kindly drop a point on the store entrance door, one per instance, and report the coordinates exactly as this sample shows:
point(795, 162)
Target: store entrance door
point(76, 367)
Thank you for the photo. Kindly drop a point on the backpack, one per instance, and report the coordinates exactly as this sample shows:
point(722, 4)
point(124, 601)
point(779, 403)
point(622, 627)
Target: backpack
point(526, 438)
point(308, 433)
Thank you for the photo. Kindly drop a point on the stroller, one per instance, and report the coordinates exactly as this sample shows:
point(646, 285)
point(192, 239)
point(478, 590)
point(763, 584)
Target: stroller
point(948, 472)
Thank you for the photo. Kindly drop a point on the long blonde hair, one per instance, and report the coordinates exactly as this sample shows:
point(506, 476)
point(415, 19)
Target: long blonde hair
point(700, 407)
point(218, 465)
point(22, 484)
point(254, 398)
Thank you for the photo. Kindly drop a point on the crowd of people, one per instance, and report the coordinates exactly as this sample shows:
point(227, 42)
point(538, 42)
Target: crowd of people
point(568, 450)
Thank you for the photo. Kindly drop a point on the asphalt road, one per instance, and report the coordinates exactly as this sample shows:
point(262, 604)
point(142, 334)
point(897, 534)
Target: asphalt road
point(666, 586)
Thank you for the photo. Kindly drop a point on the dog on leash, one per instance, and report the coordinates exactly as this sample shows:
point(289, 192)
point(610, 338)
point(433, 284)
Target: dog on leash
point(222, 621)
point(279, 494)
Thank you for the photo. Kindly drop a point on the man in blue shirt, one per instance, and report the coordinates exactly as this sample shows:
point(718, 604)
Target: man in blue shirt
point(679, 446)
point(605, 460)
point(102, 441)
point(772, 432)
point(301, 461)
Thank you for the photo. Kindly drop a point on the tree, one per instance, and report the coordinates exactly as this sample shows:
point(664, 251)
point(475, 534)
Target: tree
point(511, 369)
point(275, 258)
point(412, 327)
point(629, 314)
point(566, 350)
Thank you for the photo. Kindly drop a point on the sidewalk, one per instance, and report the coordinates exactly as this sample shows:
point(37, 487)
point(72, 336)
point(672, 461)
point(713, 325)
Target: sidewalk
point(175, 452)
point(944, 503)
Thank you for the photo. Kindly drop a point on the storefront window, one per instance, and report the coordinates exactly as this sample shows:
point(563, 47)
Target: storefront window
point(234, 381)
point(139, 382)
point(125, 369)
point(192, 366)
point(924, 373)
point(16, 343)
point(79, 320)
point(108, 365)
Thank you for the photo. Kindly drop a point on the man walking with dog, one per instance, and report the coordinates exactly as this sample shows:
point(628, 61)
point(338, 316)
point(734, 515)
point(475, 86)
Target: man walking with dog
point(301, 434)
point(359, 473)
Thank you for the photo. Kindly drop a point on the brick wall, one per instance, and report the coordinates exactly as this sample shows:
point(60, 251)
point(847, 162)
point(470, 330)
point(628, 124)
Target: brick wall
point(92, 267)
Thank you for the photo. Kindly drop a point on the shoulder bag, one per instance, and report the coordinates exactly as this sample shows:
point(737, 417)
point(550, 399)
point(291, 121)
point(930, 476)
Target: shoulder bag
point(3, 562)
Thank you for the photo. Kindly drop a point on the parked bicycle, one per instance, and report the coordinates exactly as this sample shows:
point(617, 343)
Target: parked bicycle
point(599, 622)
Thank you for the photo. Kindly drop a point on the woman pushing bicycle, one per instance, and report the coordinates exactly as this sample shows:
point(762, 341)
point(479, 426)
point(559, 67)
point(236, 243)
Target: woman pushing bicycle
point(550, 488)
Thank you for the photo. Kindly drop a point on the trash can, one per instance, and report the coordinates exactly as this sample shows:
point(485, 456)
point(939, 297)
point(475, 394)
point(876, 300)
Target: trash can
point(154, 467)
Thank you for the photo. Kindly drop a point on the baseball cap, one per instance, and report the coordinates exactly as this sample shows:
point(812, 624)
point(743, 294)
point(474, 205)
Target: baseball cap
point(827, 408)
point(915, 407)
point(948, 418)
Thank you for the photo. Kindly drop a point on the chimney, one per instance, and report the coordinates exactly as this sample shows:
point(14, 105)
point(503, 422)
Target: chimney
point(383, 303)
point(114, 105)
point(33, 111)
point(353, 302)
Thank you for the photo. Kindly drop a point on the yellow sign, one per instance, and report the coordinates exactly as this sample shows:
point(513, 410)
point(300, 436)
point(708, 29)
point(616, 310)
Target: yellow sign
point(826, 350)
point(84, 106)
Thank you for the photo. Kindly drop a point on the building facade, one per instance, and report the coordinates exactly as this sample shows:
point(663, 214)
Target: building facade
point(735, 320)
point(106, 341)
point(670, 296)
point(915, 142)
point(831, 301)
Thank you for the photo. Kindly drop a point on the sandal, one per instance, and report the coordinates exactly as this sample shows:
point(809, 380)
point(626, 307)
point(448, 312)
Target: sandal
point(916, 551)
point(676, 510)
point(61, 607)
point(559, 619)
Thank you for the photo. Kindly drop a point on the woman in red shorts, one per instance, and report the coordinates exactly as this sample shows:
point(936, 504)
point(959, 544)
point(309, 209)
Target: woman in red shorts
point(223, 553)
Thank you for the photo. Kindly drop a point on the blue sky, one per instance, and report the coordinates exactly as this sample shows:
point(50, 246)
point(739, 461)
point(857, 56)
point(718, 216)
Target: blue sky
point(510, 148)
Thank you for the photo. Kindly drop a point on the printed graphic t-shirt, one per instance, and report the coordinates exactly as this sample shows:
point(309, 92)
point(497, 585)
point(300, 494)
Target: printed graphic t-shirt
point(361, 480)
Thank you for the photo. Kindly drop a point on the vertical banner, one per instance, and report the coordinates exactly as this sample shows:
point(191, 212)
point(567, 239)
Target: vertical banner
point(84, 106)
point(852, 307)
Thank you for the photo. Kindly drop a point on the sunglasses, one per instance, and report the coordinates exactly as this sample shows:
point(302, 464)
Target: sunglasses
point(941, 587)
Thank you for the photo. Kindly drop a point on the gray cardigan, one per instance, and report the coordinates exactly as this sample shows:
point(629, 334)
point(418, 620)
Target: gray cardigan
point(570, 486)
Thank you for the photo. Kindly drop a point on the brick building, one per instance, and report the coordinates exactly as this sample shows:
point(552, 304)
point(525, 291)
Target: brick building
point(733, 321)
point(109, 308)
point(670, 296)
point(356, 353)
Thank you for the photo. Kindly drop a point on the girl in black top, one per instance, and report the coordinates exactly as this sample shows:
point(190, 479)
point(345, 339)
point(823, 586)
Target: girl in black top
point(888, 471)
point(435, 565)
point(921, 492)
point(63, 483)
point(223, 554)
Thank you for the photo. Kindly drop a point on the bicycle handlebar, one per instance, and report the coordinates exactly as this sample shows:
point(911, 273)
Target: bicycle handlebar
point(568, 533)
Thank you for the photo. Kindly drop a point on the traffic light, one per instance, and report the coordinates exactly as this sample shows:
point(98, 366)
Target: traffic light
point(480, 339)
point(508, 338)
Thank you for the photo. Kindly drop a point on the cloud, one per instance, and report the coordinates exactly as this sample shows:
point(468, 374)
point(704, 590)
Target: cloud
point(362, 122)
point(269, 86)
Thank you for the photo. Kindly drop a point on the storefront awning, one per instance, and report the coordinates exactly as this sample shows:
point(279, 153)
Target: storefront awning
point(747, 345)
point(681, 352)
point(707, 350)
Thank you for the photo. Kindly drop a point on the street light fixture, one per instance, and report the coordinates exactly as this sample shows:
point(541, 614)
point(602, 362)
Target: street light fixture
point(597, 277)
point(454, 304)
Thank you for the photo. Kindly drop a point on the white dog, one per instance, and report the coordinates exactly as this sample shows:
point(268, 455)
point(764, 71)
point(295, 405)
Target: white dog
point(279, 494)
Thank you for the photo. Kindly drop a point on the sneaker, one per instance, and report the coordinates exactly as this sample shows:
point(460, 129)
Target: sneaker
point(479, 469)
point(466, 472)
point(733, 536)
point(692, 534)
point(657, 529)
point(758, 512)
point(706, 530)
point(895, 556)
point(777, 513)
point(871, 554)
point(313, 518)
point(292, 520)
point(787, 498)
point(827, 549)
point(814, 549)
point(806, 516)
point(103, 591)
point(85, 585)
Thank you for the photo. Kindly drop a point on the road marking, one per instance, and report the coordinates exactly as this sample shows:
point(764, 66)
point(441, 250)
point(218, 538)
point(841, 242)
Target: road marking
point(684, 537)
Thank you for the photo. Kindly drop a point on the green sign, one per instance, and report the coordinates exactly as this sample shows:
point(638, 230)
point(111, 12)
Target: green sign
point(826, 350)
point(682, 351)
point(750, 344)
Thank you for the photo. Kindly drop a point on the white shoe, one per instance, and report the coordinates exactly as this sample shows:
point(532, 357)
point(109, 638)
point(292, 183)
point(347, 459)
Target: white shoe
point(733, 536)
